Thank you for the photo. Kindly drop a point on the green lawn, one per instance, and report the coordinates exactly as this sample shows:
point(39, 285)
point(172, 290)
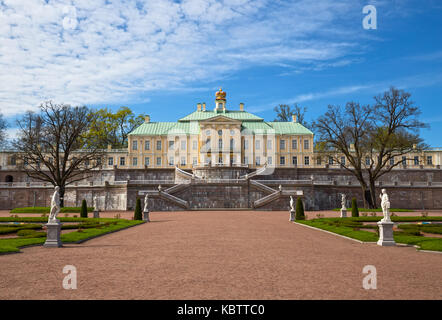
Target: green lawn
point(378, 210)
point(351, 227)
point(90, 227)
point(47, 210)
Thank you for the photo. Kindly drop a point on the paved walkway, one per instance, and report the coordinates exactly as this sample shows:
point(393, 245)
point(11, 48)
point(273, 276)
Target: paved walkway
point(221, 255)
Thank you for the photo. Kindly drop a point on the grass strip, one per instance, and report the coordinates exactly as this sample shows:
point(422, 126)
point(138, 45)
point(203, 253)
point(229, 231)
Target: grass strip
point(14, 245)
point(334, 225)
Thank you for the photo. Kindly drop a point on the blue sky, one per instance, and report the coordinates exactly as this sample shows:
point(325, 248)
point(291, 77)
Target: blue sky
point(163, 57)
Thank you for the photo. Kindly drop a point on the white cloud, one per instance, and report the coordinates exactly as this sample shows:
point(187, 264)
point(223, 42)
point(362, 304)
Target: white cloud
point(93, 52)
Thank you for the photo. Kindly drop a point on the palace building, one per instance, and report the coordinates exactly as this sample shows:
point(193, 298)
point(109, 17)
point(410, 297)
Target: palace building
point(221, 157)
point(219, 136)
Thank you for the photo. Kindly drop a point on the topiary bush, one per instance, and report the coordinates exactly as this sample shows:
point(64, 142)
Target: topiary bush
point(83, 211)
point(354, 208)
point(299, 210)
point(137, 214)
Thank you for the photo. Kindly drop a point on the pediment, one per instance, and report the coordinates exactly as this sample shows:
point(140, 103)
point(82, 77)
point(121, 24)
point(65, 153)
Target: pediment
point(221, 119)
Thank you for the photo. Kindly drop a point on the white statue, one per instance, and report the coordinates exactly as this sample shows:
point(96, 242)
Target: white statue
point(95, 203)
point(343, 202)
point(280, 188)
point(55, 206)
point(292, 204)
point(385, 205)
point(159, 188)
point(146, 203)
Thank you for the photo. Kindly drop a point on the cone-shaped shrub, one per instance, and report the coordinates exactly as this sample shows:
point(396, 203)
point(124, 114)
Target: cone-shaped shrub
point(137, 214)
point(299, 210)
point(83, 211)
point(354, 208)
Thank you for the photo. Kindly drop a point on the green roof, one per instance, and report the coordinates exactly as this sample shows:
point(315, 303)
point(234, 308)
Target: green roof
point(256, 127)
point(236, 115)
point(190, 125)
point(153, 128)
point(289, 128)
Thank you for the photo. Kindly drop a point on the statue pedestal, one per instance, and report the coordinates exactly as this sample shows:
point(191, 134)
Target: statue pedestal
point(96, 214)
point(343, 213)
point(146, 216)
point(292, 215)
point(53, 235)
point(386, 233)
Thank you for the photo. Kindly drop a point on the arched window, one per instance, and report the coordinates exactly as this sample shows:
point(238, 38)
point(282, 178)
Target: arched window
point(220, 143)
point(232, 144)
point(9, 178)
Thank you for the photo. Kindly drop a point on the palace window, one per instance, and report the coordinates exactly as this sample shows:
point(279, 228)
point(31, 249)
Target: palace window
point(13, 161)
point(295, 161)
point(367, 161)
point(208, 132)
point(135, 161)
point(220, 160)
point(307, 161)
point(269, 160)
point(306, 144)
point(220, 144)
point(429, 160)
point(135, 145)
point(269, 144)
point(158, 161)
point(342, 161)
point(282, 144)
point(416, 160)
point(232, 132)
point(232, 144)
point(392, 161)
point(330, 160)
point(194, 161)
point(147, 145)
point(146, 161)
point(183, 161)
point(318, 161)
point(208, 144)
point(159, 145)
point(110, 161)
point(220, 132)
point(171, 160)
point(282, 160)
point(183, 144)
point(194, 145)
point(294, 144)
point(258, 161)
point(246, 144)
point(404, 160)
point(246, 160)
point(171, 144)
point(122, 161)
point(257, 144)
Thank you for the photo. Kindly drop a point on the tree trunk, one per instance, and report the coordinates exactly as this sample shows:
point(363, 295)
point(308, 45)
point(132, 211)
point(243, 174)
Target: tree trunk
point(373, 194)
point(364, 191)
point(62, 190)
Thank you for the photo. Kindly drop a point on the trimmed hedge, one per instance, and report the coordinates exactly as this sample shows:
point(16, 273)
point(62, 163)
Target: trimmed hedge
point(47, 210)
point(300, 215)
point(137, 214)
point(354, 208)
point(83, 211)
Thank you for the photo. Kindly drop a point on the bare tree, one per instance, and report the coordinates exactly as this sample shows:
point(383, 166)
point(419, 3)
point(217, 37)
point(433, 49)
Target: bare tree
point(369, 141)
point(51, 145)
point(284, 113)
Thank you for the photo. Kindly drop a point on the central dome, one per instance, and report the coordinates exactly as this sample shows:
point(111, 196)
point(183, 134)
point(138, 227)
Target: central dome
point(220, 95)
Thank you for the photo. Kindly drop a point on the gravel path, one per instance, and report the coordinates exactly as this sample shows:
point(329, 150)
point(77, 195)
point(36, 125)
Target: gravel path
point(221, 255)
